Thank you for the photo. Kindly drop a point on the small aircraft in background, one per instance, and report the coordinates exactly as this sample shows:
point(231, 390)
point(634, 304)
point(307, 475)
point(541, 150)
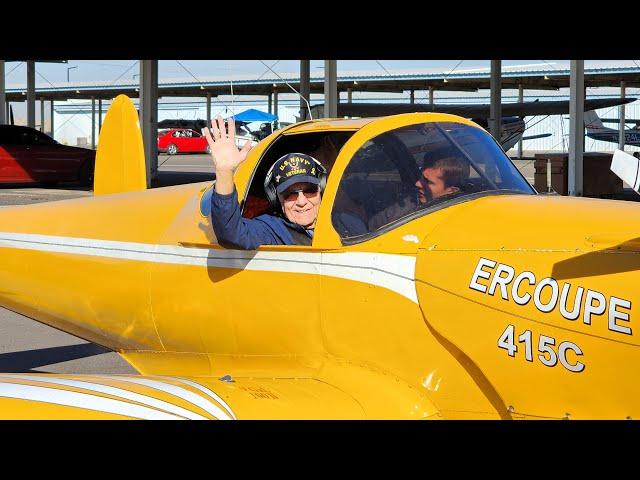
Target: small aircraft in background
point(513, 124)
point(596, 129)
point(513, 129)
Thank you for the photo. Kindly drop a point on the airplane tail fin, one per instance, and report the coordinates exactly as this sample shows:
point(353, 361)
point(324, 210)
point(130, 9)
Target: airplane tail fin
point(120, 162)
point(627, 167)
point(592, 122)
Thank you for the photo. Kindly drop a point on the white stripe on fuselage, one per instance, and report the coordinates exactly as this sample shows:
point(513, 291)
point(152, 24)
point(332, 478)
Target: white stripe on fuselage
point(390, 271)
point(182, 393)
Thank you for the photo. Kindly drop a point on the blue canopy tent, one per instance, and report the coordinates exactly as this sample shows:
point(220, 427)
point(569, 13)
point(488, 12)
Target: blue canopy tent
point(253, 115)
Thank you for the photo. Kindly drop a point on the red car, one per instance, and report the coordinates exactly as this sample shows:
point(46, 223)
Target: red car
point(182, 140)
point(30, 156)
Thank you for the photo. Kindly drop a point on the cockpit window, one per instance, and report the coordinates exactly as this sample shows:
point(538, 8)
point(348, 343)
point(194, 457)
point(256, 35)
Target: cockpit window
point(414, 168)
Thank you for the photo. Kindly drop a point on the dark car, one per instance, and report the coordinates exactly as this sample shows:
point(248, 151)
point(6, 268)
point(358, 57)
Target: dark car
point(30, 156)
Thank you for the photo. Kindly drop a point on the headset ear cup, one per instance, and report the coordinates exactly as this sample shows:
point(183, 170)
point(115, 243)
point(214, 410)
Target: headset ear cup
point(322, 175)
point(323, 181)
point(270, 196)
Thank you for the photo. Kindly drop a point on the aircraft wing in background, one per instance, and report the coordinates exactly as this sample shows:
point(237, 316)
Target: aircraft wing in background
point(468, 110)
point(534, 137)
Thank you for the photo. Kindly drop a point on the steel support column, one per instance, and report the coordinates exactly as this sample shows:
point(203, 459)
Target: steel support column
point(412, 97)
point(93, 123)
point(31, 93)
point(269, 100)
point(576, 128)
point(149, 116)
point(495, 109)
point(42, 115)
point(349, 95)
point(99, 118)
point(431, 96)
point(622, 116)
point(51, 120)
point(330, 88)
point(520, 100)
point(275, 103)
point(208, 117)
point(3, 97)
point(305, 88)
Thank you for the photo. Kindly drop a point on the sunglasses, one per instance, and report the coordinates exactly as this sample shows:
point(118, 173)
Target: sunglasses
point(291, 195)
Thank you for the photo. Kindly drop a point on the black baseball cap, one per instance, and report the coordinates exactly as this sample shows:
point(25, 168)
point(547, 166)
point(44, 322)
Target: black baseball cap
point(295, 168)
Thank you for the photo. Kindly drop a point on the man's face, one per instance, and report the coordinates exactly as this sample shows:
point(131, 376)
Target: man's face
point(435, 183)
point(301, 207)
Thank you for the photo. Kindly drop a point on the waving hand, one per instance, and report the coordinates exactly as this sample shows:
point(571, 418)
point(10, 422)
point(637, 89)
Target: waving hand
point(226, 155)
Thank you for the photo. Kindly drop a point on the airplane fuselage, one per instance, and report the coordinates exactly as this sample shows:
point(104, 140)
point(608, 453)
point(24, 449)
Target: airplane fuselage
point(611, 135)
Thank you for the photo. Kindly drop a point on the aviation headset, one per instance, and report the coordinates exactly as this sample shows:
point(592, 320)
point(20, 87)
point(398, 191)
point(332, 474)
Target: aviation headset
point(270, 188)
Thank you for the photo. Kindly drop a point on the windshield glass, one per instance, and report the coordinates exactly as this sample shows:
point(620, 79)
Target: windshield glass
point(413, 168)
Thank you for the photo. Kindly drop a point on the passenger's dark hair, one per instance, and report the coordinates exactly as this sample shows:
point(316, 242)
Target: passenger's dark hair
point(454, 169)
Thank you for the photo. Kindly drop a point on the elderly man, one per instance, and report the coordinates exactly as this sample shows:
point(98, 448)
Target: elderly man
point(294, 184)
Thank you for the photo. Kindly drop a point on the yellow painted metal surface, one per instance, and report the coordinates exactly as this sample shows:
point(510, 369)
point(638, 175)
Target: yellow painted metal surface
point(120, 165)
point(386, 328)
point(326, 124)
point(537, 383)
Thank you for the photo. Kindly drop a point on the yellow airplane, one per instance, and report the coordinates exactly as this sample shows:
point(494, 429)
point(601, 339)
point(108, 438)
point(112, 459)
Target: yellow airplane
point(491, 302)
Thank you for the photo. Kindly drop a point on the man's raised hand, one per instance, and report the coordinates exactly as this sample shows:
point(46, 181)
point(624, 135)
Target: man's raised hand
point(226, 155)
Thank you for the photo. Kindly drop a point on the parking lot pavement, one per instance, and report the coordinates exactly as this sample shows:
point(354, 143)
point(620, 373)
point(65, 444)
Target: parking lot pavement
point(25, 195)
point(29, 346)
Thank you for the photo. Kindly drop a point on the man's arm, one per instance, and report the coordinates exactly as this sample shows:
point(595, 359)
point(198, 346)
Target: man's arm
point(232, 230)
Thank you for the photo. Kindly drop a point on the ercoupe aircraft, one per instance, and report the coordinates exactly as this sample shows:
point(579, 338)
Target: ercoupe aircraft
point(490, 302)
point(513, 125)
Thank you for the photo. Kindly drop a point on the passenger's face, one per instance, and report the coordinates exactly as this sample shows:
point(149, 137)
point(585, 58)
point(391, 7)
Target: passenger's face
point(435, 184)
point(301, 207)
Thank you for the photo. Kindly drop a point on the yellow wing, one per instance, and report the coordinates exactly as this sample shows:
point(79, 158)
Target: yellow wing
point(69, 397)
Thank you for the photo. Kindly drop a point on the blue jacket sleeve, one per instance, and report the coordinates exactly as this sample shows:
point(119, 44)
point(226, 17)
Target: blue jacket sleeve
point(232, 230)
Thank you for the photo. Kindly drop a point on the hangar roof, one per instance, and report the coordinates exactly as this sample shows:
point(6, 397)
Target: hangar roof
point(540, 79)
